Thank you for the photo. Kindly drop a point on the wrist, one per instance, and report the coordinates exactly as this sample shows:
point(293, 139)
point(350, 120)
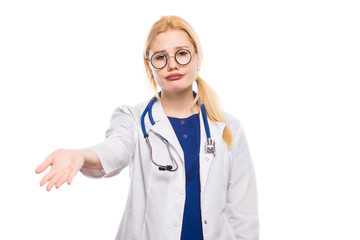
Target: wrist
point(91, 159)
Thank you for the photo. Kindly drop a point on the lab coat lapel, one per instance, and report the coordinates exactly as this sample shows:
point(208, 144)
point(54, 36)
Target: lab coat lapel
point(206, 159)
point(163, 127)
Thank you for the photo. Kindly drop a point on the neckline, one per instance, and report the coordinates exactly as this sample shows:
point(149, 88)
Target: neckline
point(195, 114)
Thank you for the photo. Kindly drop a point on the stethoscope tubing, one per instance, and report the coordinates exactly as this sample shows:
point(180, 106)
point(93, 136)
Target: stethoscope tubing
point(206, 123)
point(210, 145)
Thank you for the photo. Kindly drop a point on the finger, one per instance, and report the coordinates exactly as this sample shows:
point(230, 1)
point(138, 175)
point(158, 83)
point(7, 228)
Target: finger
point(72, 174)
point(61, 180)
point(52, 181)
point(47, 176)
point(44, 165)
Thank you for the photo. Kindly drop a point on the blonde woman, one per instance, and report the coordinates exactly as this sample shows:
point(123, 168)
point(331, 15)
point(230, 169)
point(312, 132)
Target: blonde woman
point(191, 172)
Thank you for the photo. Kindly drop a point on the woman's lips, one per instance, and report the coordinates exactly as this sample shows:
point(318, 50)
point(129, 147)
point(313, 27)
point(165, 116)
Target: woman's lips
point(176, 76)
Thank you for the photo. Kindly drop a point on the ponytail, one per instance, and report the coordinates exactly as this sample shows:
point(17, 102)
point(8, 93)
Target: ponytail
point(214, 112)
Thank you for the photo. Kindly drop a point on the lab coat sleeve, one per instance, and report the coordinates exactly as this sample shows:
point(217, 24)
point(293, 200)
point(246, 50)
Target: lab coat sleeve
point(242, 201)
point(118, 148)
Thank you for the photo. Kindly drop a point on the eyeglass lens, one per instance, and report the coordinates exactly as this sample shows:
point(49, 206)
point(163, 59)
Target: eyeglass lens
point(182, 57)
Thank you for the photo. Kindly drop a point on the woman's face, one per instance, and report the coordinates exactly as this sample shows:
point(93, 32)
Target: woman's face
point(174, 77)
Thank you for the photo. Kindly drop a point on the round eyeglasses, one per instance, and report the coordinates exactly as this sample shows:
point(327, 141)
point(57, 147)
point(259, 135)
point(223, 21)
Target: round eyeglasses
point(182, 57)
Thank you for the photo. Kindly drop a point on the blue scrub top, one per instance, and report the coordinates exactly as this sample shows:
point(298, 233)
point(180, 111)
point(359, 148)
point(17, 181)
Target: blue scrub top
point(187, 131)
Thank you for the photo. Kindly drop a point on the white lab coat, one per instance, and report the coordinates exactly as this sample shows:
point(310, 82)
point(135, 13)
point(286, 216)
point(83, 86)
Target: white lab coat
point(156, 199)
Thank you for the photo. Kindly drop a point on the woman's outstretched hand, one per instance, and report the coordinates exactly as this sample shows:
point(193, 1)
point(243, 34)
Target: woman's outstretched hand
point(65, 164)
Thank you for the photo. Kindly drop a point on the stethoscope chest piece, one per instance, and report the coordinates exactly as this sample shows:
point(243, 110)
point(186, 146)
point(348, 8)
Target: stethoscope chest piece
point(210, 146)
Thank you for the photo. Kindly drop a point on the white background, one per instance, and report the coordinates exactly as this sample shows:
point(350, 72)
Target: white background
point(290, 70)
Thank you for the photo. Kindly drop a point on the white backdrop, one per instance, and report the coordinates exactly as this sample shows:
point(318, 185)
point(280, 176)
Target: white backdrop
point(290, 70)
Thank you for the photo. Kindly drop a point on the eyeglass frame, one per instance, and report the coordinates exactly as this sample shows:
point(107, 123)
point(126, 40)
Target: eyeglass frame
point(167, 56)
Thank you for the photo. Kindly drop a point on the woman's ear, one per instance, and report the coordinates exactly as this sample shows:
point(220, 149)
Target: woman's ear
point(198, 64)
point(151, 73)
point(149, 70)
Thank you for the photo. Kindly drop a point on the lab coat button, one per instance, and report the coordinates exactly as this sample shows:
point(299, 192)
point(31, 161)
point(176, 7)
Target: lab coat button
point(175, 224)
point(205, 222)
point(185, 136)
point(181, 192)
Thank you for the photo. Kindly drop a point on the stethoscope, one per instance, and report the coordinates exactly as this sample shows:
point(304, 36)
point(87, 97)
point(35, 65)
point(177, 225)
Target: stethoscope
point(210, 143)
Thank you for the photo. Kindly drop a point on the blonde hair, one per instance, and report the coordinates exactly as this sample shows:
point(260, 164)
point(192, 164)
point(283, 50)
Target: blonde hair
point(206, 95)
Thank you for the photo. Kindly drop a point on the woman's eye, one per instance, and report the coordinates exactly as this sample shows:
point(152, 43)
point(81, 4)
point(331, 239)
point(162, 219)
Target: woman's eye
point(183, 53)
point(160, 57)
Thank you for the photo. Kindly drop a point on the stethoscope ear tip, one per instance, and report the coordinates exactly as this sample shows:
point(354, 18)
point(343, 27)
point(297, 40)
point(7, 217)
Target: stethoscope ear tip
point(167, 168)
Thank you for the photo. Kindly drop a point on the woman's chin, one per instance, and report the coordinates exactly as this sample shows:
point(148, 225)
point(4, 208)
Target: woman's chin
point(178, 89)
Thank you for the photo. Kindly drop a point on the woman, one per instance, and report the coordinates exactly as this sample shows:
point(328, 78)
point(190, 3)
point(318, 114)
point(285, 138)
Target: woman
point(191, 172)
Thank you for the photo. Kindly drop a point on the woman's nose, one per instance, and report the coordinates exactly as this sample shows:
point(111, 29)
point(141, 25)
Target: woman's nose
point(172, 64)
